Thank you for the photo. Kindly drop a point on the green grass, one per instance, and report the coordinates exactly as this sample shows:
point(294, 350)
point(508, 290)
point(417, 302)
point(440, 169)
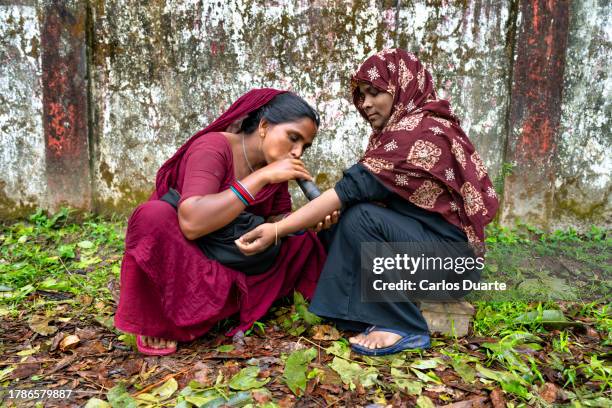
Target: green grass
point(548, 267)
point(63, 258)
point(59, 254)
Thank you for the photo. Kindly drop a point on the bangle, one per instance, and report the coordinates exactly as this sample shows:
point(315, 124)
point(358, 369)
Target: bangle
point(246, 190)
point(240, 190)
point(244, 201)
point(275, 233)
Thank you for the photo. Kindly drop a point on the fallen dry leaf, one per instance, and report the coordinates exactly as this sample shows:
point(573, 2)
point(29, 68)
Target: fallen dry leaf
point(56, 341)
point(40, 324)
point(260, 397)
point(497, 398)
point(69, 342)
point(325, 332)
point(549, 392)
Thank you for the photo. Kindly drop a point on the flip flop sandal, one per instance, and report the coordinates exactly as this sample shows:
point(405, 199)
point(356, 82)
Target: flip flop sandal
point(408, 341)
point(150, 351)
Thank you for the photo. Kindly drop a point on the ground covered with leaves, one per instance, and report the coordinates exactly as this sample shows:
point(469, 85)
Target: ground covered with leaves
point(59, 279)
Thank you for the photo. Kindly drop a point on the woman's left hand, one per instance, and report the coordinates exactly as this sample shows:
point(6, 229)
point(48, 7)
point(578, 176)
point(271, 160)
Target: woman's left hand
point(327, 222)
point(257, 239)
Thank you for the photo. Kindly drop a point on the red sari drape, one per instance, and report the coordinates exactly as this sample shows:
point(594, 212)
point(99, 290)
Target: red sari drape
point(169, 289)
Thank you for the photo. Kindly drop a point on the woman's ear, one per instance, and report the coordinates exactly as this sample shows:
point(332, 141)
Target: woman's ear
point(234, 127)
point(262, 129)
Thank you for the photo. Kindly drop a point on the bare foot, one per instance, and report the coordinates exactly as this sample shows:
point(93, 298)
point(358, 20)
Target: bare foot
point(376, 339)
point(357, 339)
point(158, 343)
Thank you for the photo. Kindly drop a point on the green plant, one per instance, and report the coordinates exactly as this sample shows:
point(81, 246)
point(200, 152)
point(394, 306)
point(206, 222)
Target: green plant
point(257, 327)
point(499, 180)
point(505, 353)
point(597, 370)
point(561, 345)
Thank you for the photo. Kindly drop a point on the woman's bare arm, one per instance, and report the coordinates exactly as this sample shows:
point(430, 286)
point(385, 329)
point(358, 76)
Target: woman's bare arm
point(201, 215)
point(310, 214)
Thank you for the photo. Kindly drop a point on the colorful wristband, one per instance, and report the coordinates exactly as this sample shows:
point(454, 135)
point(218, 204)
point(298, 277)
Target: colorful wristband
point(244, 201)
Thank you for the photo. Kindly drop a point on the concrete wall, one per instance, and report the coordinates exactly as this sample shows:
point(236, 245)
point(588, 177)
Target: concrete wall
point(97, 94)
point(23, 181)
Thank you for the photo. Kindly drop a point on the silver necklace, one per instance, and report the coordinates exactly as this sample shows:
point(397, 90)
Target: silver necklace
point(245, 156)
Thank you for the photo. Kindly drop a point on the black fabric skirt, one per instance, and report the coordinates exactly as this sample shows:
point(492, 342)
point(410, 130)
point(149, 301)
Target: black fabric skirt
point(338, 293)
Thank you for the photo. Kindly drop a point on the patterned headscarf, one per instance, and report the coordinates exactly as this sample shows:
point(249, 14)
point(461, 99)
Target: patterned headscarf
point(422, 154)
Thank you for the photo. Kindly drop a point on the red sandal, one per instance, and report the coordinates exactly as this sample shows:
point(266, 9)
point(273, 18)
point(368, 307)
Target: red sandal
point(150, 351)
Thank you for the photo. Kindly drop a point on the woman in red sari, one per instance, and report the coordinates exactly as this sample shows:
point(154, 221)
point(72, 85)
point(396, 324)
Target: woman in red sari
point(419, 181)
point(170, 290)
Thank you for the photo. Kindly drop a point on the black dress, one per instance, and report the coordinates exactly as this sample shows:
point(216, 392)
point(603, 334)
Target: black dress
point(338, 293)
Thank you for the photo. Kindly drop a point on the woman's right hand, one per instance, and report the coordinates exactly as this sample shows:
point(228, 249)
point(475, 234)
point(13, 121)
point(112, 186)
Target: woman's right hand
point(284, 170)
point(257, 239)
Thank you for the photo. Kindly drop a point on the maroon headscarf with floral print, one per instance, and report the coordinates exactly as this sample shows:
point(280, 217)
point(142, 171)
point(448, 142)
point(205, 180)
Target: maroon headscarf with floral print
point(422, 153)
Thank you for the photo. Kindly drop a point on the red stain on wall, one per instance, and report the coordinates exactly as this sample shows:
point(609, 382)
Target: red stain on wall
point(537, 83)
point(65, 103)
point(535, 110)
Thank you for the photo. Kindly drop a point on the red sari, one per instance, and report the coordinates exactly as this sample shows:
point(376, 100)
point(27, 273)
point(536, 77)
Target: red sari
point(169, 288)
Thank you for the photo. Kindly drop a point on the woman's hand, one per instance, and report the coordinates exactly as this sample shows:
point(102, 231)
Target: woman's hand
point(257, 239)
point(285, 169)
point(327, 222)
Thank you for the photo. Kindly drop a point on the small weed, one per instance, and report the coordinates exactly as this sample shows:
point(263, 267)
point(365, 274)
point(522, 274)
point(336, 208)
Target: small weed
point(561, 345)
point(506, 170)
point(257, 328)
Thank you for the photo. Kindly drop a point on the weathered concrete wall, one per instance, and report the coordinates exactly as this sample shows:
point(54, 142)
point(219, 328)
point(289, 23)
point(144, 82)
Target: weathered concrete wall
point(159, 72)
point(188, 62)
point(583, 180)
point(65, 105)
point(466, 46)
point(23, 183)
point(534, 111)
point(165, 70)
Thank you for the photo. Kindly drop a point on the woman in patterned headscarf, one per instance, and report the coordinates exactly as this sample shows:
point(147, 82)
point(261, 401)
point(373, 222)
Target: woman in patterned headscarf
point(420, 180)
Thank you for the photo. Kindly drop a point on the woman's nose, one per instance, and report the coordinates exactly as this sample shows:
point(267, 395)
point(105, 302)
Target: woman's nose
point(367, 102)
point(296, 152)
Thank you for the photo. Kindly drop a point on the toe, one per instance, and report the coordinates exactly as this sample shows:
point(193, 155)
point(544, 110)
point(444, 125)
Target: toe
point(356, 339)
